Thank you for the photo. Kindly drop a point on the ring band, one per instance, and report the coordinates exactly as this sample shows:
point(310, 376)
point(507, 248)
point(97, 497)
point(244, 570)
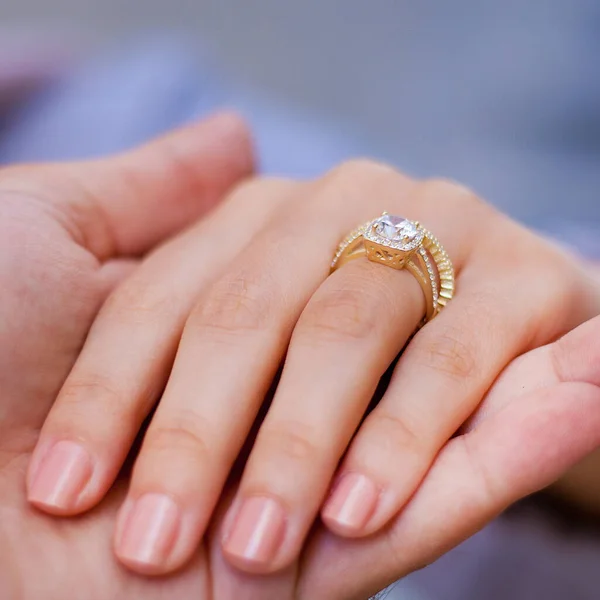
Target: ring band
point(402, 244)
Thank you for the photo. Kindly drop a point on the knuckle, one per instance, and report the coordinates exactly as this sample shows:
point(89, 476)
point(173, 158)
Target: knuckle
point(293, 442)
point(445, 352)
point(345, 186)
point(460, 198)
point(79, 395)
point(267, 187)
point(363, 169)
point(339, 315)
point(185, 432)
point(235, 303)
point(392, 429)
point(567, 298)
point(138, 302)
point(362, 173)
point(394, 436)
point(452, 190)
point(564, 285)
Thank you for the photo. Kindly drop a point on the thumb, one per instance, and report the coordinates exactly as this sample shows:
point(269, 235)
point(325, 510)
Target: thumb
point(574, 358)
point(126, 204)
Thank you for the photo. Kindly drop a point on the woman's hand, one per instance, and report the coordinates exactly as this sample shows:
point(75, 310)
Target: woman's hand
point(213, 314)
point(69, 234)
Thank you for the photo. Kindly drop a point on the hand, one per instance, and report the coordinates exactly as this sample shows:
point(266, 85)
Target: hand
point(540, 417)
point(262, 292)
point(68, 234)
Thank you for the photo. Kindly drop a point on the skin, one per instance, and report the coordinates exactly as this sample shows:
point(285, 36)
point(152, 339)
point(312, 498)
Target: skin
point(53, 284)
point(259, 294)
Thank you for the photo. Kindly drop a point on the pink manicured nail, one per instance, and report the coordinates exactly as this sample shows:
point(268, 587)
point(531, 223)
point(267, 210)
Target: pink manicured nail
point(352, 502)
point(150, 531)
point(257, 531)
point(61, 477)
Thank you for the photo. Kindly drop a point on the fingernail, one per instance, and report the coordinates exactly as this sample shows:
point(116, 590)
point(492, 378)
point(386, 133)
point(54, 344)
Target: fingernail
point(150, 531)
point(257, 531)
point(352, 502)
point(61, 477)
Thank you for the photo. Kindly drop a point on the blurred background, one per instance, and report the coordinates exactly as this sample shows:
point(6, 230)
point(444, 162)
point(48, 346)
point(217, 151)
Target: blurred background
point(503, 96)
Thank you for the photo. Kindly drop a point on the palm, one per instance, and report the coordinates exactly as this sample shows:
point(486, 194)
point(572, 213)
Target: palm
point(63, 232)
point(45, 315)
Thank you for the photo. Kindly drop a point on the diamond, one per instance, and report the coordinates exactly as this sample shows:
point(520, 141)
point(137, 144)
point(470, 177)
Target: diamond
point(395, 232)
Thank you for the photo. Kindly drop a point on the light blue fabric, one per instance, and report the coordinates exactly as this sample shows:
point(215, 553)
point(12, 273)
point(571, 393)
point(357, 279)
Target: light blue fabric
point(503, 97)
point(131, 95)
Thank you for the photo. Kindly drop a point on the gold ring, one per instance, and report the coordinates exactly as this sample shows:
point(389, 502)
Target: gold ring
point(403, 244)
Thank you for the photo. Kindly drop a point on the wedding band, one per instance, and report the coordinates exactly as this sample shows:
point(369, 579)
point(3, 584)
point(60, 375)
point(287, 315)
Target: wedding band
point(403, 244)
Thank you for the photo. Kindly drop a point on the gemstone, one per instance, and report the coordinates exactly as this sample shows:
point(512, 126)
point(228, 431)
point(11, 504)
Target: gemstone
point(396, 232)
